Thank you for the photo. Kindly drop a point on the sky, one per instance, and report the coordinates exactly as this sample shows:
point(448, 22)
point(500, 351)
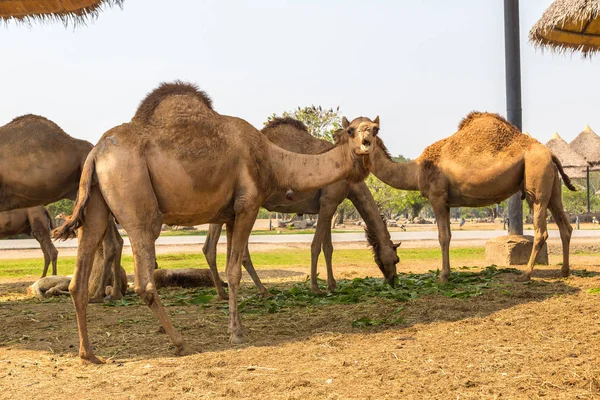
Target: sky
point(420, 65)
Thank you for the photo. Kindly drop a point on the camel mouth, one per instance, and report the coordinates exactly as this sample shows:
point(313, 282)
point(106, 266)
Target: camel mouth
point(365, 146)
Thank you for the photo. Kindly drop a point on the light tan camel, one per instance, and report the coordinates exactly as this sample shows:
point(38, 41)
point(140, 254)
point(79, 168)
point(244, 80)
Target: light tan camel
point(49, 286)
point(484, 163)
point(35, 222)
point(293, 135)
point(181, 163)
point(41, 164)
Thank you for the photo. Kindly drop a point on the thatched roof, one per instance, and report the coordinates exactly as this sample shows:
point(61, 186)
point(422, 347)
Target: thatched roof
point(573, 163)
point(569, 26)
point(587, 145)
point(75, 11)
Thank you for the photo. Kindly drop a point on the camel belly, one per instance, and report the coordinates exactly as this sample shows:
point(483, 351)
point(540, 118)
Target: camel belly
point(303, 203)
point(478, 187)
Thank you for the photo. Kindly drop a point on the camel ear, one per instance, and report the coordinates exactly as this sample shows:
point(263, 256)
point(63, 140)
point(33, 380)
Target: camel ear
point(396, 245)
point(376, 120)
point(345, 123)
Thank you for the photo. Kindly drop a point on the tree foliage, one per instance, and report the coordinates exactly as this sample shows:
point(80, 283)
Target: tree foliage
point(321, 122)
point(61, 206)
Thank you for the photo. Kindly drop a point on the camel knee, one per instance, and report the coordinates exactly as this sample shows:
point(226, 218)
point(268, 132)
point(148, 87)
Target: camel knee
point(328, 248)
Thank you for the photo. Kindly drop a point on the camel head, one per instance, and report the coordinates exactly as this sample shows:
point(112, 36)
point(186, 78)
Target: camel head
point(361, 134)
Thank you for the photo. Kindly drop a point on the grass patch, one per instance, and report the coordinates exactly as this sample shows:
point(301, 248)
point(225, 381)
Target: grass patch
point(461, 285)
point(262, 260)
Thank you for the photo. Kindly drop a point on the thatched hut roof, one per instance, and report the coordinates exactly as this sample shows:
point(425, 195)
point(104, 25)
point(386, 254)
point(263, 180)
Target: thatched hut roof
point(587, 145)
point(75, 11)
point(573, 163)
point(569, 26)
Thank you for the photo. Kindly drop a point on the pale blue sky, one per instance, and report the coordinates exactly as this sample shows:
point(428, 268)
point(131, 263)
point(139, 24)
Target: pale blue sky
point(420, 65)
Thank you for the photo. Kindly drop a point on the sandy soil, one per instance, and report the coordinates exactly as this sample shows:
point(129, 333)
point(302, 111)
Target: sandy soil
point(537, 340)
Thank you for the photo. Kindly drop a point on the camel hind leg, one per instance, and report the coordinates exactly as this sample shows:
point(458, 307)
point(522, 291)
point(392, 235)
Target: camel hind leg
point(90, 236)
point(564, 227)
point(50, 252)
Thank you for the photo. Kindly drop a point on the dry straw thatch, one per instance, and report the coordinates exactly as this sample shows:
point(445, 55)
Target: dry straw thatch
point(569, 26)
point(587, 145)
point(574, 164)
point(67, 11)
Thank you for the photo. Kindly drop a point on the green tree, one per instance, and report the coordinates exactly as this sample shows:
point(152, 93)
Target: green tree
point(576, 202)
point(61, 206)
point(321, 122)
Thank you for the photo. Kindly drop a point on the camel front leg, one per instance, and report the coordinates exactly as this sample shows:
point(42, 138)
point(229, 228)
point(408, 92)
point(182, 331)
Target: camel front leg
point(210, 253)
point(539, 238)
point(247, 263)
point(244, 222)
point(328, 252)
point(323, 226)
point(113, 248)
point(50, 252)
point(442, 217)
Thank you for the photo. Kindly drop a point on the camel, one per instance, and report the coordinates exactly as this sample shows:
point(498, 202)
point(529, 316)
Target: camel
point(179, 162)
point(486, 161)
point(49, 286)
point(35, 222)
point(293, 135)
point(41, 164)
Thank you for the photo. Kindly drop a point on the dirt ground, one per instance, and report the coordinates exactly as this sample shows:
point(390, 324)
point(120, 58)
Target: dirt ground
point(536, 340)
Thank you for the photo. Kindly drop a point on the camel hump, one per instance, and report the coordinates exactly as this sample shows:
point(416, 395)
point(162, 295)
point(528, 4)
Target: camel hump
point(33, 119)
point(284, 121)
point(473, 115)
point(148, 106)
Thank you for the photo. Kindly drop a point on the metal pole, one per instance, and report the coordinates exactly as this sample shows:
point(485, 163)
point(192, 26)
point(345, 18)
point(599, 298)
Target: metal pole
point(587, 172)
point(512, 59)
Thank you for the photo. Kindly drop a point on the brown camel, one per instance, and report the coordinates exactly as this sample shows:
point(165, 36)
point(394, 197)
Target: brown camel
point(484, 163)
point(293, 135)
point(35, 222)
point(183, 277)
point(181, 163)
point(41, 164)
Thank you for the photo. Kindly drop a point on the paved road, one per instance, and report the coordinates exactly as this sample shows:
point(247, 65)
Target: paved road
point(300, 238)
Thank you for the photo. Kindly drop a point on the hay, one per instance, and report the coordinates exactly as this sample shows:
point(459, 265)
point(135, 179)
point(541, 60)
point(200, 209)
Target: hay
point(66, 11)
point(569, 26)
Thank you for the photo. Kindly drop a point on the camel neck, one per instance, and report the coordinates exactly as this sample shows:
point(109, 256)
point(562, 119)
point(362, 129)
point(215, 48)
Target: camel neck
point(302, 172)
point(367, 208)
point(401, 176)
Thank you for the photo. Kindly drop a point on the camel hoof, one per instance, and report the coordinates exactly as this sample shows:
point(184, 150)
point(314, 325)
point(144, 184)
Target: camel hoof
point(92, 360)
point(442, 280)
point(266, 294)
point(185, 350)
point(332, 287)
point(565, 272)
point(224, 296)
point(236, 339)
point(316, 290)
point(161, 330)
point(96, 300)
point(523, 278)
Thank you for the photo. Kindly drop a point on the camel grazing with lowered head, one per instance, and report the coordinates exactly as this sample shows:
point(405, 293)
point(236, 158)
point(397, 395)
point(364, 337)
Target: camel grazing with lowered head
point(179, 162)
point(41, 164)
point(293, 135)
point(486, 161)
point(35, 222)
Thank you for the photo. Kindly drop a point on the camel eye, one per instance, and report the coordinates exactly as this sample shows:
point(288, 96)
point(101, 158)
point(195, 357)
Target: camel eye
point(375, 130)
point(351, 131)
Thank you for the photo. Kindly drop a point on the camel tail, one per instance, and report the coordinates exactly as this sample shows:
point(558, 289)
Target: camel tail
point(50, 220)
point(75, 220)
point(565, 177)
